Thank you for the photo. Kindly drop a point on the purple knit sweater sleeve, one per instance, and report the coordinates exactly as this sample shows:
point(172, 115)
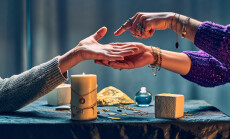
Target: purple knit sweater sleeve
point(206, 70)
point(210, 67)
point(214, 39)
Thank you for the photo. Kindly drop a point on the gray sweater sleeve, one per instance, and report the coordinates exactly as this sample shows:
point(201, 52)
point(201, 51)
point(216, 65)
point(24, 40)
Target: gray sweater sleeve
point(20, 90)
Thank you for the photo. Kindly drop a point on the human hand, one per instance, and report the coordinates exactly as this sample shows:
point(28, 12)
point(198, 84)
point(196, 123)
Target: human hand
point(90, 49)
point(143, 25)
point(141, 58)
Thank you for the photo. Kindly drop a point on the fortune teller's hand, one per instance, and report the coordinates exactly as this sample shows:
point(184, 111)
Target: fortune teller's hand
point(141, 58)
point(90, 49)
point(143, 25)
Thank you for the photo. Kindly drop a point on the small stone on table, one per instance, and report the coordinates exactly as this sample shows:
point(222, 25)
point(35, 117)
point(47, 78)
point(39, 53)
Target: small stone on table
point(62, 108)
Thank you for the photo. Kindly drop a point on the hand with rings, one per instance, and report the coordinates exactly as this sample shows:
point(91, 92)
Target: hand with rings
point(143, 25)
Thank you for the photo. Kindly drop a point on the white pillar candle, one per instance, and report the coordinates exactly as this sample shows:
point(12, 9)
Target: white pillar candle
point(60, 95)
point(84, 97)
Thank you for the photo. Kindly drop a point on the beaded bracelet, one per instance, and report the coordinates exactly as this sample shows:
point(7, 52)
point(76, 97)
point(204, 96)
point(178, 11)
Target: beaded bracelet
point(184, 31)
point(155, 55)
point(159, 66)
point(156, 66)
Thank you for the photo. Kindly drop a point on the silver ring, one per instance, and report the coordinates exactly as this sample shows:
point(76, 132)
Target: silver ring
point(139, 37)
point(123, 26)
point(143, 30)
point(138, 29)
point(138, 25)
point(130, 20)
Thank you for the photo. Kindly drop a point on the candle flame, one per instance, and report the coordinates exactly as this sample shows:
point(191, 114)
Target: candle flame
point(83, 73)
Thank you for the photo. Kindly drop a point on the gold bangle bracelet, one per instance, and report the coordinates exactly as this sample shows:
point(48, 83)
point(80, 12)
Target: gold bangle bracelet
point(155, 56)
point(157, 60)
point(160, 53)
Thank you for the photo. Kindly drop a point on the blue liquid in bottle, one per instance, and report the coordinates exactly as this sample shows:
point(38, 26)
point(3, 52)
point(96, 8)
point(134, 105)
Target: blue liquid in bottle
point(143, 98)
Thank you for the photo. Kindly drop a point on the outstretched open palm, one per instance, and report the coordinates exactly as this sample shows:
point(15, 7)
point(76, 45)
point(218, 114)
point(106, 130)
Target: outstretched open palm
point(90, 49)
point(141, 58)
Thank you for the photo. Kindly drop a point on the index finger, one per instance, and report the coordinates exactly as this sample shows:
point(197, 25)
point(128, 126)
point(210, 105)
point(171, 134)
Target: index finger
point(125, 26)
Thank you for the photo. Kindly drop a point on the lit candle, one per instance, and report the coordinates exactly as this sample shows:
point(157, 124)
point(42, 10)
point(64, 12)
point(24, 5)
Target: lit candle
point(84, 97)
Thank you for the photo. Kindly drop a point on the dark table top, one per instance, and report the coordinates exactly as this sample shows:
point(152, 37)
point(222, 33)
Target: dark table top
point(38, 120)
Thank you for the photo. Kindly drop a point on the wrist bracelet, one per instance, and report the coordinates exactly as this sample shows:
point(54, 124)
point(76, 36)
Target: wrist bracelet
point(160, 55)
point(157, 60)
point(155, 56)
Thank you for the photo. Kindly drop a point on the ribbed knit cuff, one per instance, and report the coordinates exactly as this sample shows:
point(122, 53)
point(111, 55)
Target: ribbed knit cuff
point(209, 37)
point(20, 90)
point(193, 74)
point(53, 74)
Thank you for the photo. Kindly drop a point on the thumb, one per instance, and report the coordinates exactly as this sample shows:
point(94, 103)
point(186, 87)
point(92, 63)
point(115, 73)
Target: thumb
point(100, 33)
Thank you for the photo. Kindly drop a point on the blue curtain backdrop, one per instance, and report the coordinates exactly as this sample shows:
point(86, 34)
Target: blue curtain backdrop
point(56, 26)
point(13, 58)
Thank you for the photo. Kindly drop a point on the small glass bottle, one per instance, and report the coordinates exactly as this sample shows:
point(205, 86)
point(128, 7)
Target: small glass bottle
point(143, 98)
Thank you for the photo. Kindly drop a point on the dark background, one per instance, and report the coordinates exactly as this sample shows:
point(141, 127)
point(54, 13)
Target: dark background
point(35, 31)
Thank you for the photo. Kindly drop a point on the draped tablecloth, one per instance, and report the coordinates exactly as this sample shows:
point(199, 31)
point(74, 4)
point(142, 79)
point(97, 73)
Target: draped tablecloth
point(38, 120)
